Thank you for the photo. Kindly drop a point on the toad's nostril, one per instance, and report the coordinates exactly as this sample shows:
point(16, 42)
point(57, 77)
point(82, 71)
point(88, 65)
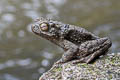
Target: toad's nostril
point(34, 28)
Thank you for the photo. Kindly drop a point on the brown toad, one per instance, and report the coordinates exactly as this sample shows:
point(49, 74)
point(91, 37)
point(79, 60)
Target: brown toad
point(78, 43)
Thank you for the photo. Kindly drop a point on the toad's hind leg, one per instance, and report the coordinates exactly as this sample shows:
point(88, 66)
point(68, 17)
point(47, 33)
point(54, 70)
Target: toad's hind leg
point(94, 49)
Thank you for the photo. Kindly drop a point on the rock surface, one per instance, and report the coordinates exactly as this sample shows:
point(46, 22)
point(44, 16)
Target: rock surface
point(104, 68)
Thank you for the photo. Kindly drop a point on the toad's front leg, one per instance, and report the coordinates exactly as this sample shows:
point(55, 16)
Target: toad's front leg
point(70, 51)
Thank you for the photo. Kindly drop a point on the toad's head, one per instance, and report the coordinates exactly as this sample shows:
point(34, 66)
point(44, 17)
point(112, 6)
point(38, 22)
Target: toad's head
point(47, 28)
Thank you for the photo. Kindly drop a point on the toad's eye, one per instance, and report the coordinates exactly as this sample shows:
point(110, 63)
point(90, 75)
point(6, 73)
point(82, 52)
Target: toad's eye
point(44, 27)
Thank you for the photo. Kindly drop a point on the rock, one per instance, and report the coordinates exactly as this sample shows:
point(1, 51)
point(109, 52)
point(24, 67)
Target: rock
point(104, 68)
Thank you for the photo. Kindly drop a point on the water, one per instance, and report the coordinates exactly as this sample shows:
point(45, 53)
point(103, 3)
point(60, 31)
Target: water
point(25, 56)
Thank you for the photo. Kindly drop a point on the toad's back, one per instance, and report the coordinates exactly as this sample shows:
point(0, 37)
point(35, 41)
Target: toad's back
point(78, 35)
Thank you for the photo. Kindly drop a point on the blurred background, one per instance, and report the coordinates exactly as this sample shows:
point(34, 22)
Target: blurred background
point(25, 56)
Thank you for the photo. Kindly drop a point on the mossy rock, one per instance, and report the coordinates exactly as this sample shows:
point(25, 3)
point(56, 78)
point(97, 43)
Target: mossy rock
point(104, 68)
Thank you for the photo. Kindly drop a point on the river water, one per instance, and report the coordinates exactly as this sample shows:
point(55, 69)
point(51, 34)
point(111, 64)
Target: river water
point(25, 56)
